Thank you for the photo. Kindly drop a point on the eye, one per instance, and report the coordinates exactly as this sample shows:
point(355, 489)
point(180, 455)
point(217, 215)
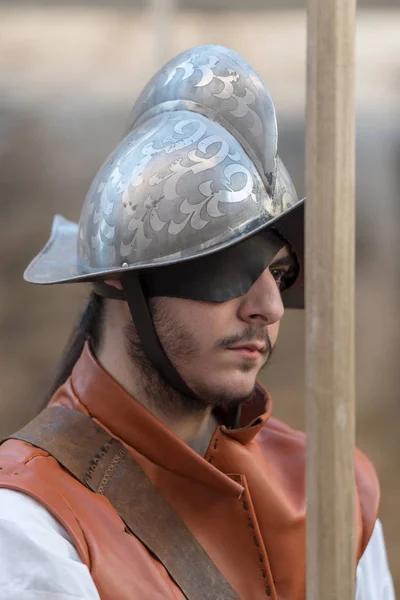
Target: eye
point(279, 276)
point(283, 277)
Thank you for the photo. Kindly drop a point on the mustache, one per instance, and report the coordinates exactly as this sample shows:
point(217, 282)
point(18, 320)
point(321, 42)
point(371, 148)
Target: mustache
point(252, 333)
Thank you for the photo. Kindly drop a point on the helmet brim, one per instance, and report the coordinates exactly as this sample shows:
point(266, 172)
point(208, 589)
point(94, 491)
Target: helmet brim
point(58, 261)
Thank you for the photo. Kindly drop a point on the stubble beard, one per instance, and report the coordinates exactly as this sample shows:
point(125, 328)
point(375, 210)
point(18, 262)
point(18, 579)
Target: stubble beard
point(179, 345)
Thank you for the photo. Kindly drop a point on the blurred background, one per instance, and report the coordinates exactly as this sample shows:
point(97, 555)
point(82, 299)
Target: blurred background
point(69, 74)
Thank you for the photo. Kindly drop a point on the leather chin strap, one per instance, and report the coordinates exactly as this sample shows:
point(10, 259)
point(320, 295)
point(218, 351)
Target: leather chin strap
point(149, 339)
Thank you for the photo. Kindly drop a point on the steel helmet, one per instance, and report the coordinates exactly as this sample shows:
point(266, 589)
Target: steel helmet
point(196, 173)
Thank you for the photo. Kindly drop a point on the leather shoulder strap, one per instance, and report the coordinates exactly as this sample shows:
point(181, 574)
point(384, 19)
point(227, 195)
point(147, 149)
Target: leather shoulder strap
point(103, 464)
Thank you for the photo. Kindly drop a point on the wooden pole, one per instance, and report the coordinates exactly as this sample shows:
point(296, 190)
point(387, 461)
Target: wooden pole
point(330, 300)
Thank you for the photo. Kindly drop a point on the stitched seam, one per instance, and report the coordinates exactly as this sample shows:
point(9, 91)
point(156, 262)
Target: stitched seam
point(95, 461)
point(215, 446)
point(257, 545)
point(108, 473)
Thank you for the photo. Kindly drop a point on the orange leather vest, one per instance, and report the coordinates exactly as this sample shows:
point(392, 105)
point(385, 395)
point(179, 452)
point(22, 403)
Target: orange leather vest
point(244, 501)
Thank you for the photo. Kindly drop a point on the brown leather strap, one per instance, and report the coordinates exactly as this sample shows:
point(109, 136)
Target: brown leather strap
point(102, 463)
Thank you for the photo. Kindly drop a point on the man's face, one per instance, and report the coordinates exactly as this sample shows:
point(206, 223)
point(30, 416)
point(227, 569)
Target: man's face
point(219, 348)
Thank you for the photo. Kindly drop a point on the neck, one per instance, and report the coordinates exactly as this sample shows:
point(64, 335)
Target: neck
point(194, 427)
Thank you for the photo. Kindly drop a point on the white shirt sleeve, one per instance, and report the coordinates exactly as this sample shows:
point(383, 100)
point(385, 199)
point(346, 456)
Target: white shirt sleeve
point(38, 560)
point(374, 581)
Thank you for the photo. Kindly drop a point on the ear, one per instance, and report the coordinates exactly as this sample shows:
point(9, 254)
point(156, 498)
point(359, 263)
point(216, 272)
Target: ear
point(114, 283)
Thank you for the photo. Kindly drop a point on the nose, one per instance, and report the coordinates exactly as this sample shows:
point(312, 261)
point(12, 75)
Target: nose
point(262, 304)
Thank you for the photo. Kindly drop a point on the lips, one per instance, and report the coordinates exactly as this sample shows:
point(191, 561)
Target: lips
point(250, 347)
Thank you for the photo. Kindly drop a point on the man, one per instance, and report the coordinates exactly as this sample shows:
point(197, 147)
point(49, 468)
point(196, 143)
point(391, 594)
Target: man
point(172, 480)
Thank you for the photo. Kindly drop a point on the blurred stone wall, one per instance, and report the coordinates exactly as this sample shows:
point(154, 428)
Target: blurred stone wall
point(68, 77)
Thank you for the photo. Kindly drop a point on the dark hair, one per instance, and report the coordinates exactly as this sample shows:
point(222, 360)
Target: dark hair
point(88, 327)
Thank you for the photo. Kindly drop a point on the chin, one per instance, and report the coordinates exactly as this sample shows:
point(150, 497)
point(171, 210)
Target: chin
point(233, 390)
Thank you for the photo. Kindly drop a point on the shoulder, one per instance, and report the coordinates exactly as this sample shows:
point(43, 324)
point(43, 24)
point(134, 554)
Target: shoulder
point(19, 511)
point(32, 471)
point(285, 448)
point(37, 557)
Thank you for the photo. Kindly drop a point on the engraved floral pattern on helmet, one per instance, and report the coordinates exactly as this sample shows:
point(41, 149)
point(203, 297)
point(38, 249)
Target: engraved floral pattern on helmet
point(220, 84)
point(178, 182)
